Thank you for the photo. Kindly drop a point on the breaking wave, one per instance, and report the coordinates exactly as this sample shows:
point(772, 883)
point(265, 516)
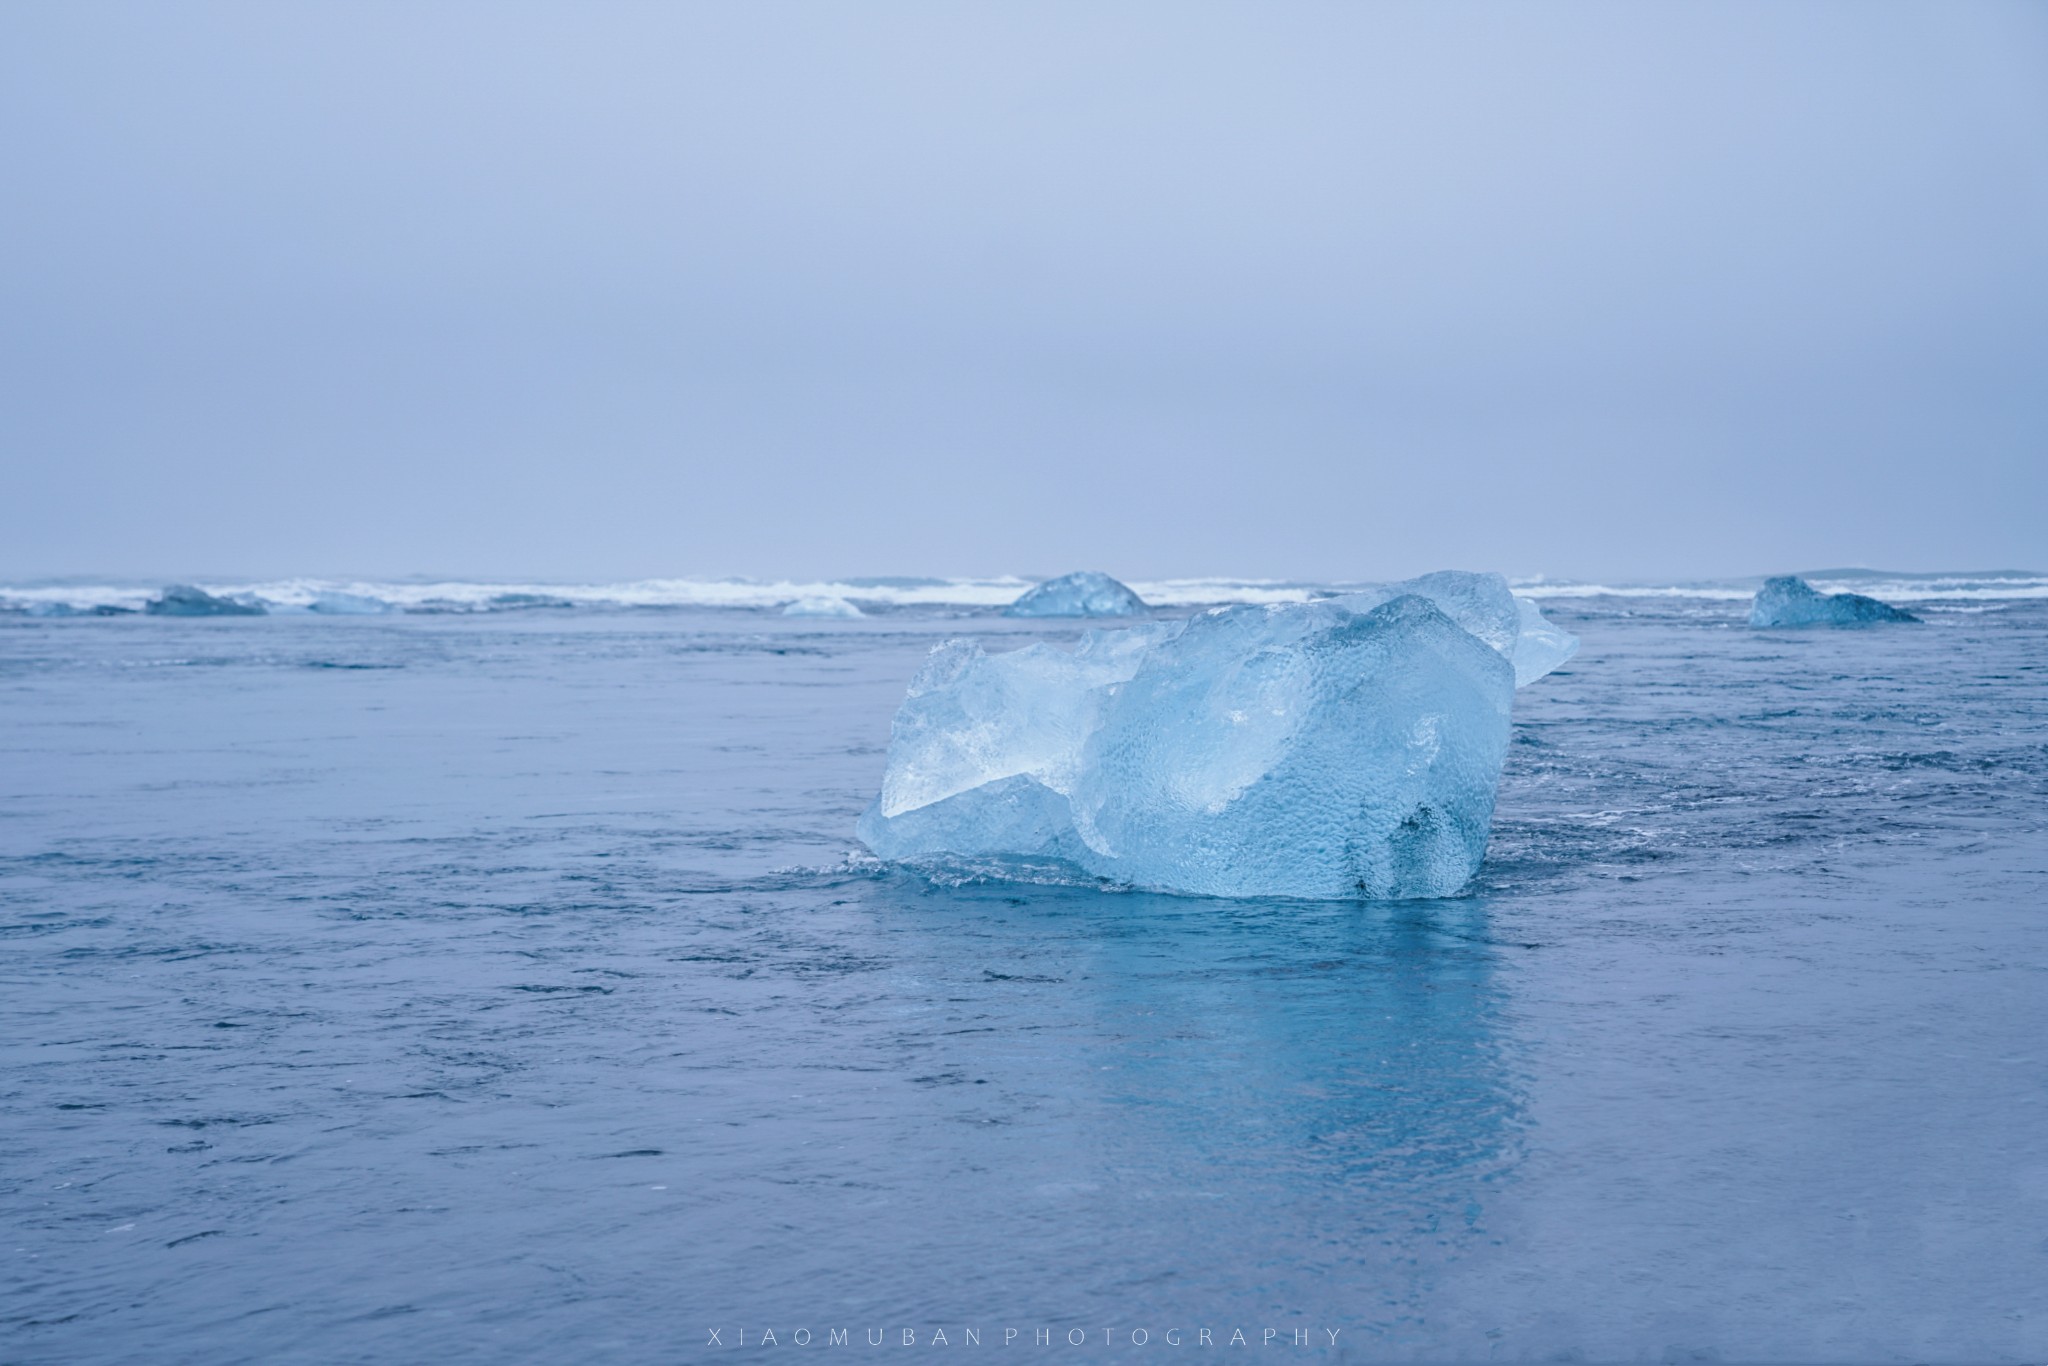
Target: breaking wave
point(964, 595)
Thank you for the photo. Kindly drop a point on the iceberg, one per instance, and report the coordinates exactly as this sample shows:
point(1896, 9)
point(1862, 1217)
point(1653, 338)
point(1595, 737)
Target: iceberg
point(1346, 747)
point(1791, 601)
point(183, 600)
point(822, 607)
point(1085, 594)
point(519, 602)
point(46, 607)
point(333, 603)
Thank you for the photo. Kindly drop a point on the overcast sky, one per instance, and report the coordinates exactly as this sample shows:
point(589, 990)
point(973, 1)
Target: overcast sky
point(596, 290)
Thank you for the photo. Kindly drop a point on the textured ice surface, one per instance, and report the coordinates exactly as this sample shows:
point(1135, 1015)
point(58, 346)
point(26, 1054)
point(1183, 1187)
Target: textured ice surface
point(183, 600)
point(1338, 748)
point(822, 607)
point(1484, 605)
point(972, 721)
point(1792, 601)
point(1085, 594)
point(1540, 647)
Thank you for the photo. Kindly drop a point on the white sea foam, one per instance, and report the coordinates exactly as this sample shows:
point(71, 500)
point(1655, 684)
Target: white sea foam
point(955, 594)
point(1542, 589)
point(1206, 592)
point(1938, 588)
point(1885, 588)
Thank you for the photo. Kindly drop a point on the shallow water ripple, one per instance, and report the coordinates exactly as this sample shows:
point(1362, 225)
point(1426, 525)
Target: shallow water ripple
point(472, 989)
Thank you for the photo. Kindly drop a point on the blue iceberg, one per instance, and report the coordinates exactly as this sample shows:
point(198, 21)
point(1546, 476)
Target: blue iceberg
point(1341, 748)
point(45, 607)
point(520, 602)
point(333, 603)
point(183, 600)
point(822, 607)
point(1791, 601)
point(1085, 594)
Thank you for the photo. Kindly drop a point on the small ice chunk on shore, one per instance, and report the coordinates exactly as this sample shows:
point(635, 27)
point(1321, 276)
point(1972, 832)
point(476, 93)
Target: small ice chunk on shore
point(1791, 601)
point(183, 600)
point(822, 607)
point(1084, 594)
point(1339, 748)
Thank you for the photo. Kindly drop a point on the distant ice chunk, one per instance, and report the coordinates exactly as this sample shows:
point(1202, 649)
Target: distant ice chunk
point(822, 607)
point(1791, 601)
point(48, 607)
point(1345, 747)
point(332, 603)
point(183, 600)
point(521, 602)
point(1084, 594)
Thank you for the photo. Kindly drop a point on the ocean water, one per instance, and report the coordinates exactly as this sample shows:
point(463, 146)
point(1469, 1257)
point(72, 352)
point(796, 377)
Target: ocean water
point(505, 986)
